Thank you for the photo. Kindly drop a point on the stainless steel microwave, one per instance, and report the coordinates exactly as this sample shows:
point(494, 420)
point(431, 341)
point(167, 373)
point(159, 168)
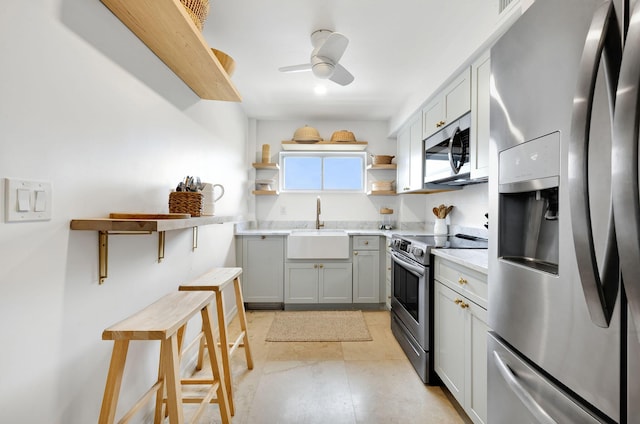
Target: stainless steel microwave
point(447, 154)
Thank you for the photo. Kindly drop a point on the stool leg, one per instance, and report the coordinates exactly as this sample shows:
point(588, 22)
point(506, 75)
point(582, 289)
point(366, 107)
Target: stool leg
point(200, 353)
point(171, 365)
point(221, 393)
point(114, 380)
point(243, 321)
point(224, 344)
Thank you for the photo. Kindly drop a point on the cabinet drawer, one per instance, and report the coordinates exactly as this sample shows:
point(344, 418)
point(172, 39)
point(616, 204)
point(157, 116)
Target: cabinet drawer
point(366, 242)
point(465, 281)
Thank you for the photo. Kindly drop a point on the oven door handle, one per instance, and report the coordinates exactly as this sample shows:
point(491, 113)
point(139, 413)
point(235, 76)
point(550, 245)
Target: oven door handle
point(416, 270)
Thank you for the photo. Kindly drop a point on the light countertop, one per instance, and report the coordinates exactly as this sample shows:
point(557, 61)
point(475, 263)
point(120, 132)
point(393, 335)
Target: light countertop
point(351, 232)
point(476, 259)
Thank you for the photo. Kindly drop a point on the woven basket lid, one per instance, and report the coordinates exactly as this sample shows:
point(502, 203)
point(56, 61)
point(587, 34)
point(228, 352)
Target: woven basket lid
point(343, 135)
point(306, 133)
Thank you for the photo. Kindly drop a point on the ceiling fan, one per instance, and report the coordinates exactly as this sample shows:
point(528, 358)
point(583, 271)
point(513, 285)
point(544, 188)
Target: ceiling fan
point(328, 48)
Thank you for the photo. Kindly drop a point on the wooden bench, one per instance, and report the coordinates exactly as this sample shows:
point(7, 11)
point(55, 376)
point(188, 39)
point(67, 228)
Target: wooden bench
point(215, 281)
point(164, 320)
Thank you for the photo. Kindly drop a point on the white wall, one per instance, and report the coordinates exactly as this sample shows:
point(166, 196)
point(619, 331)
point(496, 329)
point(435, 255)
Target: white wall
point(85, 105)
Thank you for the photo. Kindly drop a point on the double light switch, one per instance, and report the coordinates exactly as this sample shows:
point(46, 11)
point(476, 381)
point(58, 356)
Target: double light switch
point(27, 200)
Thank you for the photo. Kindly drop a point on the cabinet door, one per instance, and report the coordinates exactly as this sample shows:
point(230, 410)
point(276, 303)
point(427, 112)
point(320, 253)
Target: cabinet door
point(301, 283)
point(456, 98)
point(366, 276)
point(432, 117)
point(262, 268)
point(335, 282)
point(476, 374)
point(449, 340)
point(480, 99)
point(403, 159)
point(416, 174)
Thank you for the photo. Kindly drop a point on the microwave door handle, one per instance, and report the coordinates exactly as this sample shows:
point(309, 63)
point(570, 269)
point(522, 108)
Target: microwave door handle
point(600, 287)
point(624, 173)
point(455, 168)
point(525, 397)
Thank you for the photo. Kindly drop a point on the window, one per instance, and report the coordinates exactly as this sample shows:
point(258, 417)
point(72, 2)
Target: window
point(322, 171)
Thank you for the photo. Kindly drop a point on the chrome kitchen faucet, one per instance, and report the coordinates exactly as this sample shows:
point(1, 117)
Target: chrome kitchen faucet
point(318, 211)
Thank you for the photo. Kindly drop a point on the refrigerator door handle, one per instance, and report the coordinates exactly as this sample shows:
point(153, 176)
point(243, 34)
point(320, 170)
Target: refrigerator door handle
point(600, 286)
point(525, 397)
point(624, 172)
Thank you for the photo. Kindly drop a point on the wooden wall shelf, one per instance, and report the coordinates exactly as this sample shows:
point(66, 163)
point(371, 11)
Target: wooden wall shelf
point(325, 145)
point(117, 226)
point(265, 192)
point(381, 193)
point(273, 166)
point(166, 28)
point(388, 166)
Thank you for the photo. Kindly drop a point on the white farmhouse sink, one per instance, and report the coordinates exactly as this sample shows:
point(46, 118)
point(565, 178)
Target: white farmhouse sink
point(318, 244)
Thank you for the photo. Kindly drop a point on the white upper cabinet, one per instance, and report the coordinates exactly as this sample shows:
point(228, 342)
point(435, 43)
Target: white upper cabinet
point(410, 156)
point(480, 99)
point(451, 103)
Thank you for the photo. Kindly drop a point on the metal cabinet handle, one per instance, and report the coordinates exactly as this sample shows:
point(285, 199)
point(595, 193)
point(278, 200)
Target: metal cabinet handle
point(600, 286)
point(263, 237)
point(439, 124)
point(321, 266)
point(355, 253)
point(625, 167)
point(462, 280)
point(525, 397)
point(457, 301)
point(315, 265)
point(366, 242)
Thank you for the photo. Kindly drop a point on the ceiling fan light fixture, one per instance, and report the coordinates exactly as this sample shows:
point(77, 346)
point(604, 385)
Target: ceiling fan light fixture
point(323, 69)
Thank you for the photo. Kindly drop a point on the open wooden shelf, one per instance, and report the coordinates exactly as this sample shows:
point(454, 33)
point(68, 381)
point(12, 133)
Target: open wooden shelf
point(166, 28)
point(115, 226)
point(265, 192)
point(381, 193)
point(325, 145)
point(388, 166)
point(258, 165)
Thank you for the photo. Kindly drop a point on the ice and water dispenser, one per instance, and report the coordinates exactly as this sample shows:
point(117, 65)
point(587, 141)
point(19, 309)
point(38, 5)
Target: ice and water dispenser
point(529, 211)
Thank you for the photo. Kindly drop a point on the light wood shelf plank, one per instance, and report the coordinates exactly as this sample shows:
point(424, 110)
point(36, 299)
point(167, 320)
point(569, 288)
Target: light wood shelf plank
point(166, 28)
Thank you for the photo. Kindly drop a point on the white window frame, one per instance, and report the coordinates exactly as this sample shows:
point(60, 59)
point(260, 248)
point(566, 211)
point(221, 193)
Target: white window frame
point(322, 154)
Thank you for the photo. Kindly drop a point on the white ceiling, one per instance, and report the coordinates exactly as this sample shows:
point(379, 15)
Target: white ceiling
point(400, 51)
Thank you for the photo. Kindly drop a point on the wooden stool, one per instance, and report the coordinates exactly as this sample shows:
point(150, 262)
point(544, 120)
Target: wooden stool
point(216, 280)
point(164, 320)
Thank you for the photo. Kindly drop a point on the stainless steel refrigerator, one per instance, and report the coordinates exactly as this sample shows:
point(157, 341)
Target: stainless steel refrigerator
point(564, 261)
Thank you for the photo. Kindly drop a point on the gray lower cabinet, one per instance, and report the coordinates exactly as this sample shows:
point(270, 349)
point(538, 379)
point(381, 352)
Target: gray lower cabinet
point(318, 282)
point(263, 270)
point(460, 335)
point(366, 269)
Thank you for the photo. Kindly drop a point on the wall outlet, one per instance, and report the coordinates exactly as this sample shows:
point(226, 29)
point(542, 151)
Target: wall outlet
point(27, 200)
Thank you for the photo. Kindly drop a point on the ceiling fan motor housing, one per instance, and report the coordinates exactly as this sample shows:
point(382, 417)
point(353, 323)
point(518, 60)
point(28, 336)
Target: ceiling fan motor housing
point(322, 67)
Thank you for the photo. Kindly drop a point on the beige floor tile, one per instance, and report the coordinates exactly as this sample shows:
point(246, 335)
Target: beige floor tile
point(329, 382)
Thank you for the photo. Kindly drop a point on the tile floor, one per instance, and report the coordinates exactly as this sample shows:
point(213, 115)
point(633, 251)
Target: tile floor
point(330, 382)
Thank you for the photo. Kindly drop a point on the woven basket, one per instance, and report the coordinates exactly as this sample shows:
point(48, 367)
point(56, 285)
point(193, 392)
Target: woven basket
point(343, 135)
point(381, 159)
point(197, 10)
point(185, 202)
point(382, 186)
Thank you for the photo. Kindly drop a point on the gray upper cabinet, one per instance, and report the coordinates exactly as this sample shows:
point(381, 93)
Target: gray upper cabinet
point(480, 98)
point(449, 104)
point(410, 156)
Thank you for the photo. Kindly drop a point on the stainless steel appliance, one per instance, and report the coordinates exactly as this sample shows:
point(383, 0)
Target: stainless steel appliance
point(562, 347)
point(447, 154)
point(412, 296)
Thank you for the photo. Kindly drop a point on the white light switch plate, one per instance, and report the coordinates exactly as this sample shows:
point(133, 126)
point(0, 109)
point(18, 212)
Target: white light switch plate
point(38, 208)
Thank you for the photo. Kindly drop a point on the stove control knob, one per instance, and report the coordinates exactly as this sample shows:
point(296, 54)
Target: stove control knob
point(417, 251)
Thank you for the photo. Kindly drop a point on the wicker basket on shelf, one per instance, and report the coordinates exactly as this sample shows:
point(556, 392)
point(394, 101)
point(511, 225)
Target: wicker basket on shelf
point(197, 10)
point(186, 202)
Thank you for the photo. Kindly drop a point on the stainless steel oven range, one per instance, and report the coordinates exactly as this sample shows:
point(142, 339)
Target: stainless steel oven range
point(412, 296)
point(412, 300)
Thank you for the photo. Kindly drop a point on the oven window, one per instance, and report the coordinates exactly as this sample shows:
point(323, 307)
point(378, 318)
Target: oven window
point(405, 289)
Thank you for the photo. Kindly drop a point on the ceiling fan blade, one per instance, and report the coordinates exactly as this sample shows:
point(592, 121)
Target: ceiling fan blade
point(341, 75)
point(334, 47)
point(296, 68)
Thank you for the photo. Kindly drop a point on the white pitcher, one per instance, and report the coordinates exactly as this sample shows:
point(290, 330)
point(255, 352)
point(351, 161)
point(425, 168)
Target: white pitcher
point(209, 199)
